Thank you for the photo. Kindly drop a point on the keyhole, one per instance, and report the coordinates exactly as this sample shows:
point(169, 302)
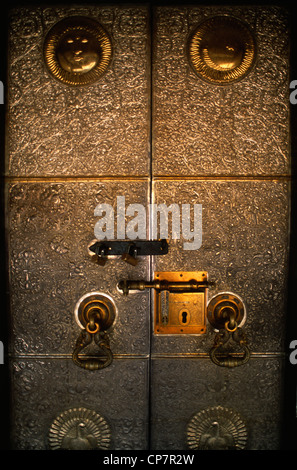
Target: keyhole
point(184, 317)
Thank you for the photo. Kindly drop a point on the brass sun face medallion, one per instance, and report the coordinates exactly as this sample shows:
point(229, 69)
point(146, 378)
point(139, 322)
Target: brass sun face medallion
point(77, 51)
point(222, 50)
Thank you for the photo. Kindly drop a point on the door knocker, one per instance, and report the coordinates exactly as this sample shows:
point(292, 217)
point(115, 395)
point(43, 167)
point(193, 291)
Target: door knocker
point(95, 314)
point(226, 313)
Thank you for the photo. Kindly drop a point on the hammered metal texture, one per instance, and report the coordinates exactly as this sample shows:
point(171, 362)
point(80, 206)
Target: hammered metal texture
point(51, 226)
point(203, 129)
point(254, 394)
point(101, 129)
point(44, 388)
point(245, 228)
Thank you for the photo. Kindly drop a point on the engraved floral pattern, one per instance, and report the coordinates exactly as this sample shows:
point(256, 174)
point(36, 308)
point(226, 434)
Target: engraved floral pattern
point(230, 130)
point(42, 389)
point(104, 130)
point(254, 394)
point(97, 130)
point(245, 228)
point(51, 226)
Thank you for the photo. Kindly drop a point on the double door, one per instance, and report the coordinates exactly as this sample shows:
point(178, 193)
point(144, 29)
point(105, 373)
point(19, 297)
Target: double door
point(169, 120)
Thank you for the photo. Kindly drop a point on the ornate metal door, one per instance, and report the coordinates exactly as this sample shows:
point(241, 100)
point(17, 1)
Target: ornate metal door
point(185, 106)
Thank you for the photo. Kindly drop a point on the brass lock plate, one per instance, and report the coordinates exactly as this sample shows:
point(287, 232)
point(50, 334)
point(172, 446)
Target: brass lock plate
point(180, 309)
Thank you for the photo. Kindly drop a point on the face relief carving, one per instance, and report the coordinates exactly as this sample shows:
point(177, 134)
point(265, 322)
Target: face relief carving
point(78, 53)
point(222, 50)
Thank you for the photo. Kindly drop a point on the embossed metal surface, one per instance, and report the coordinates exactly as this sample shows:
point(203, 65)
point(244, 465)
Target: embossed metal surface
point(51, 225)
point(228, 148)
point(102, 129)
point(245, 230)
point(77, 51)
point(190, 384)
point(203, 129)
point(45, 387)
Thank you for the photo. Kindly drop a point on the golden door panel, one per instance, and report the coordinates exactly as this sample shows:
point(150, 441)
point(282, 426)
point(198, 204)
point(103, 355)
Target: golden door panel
point(244, 250)
point(51, 267)
point(202, 128)
point(160, 115)
point(100, 129)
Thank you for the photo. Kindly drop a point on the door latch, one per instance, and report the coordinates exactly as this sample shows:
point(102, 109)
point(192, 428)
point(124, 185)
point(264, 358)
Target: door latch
point(179, 301)
point(128, 249)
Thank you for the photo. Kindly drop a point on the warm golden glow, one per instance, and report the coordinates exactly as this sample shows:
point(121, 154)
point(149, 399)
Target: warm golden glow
point(77, 51)
point(222, 50)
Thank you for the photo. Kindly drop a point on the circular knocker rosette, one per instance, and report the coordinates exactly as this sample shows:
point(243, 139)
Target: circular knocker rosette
point(222, 50)
point(77, 51)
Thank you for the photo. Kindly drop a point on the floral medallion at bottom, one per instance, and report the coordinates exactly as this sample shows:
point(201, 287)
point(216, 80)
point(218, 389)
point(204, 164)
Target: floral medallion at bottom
point(216, 428)
point(79, 429)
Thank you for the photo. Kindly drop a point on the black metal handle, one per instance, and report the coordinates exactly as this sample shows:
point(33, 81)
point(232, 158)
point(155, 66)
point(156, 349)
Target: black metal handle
point(128, 249)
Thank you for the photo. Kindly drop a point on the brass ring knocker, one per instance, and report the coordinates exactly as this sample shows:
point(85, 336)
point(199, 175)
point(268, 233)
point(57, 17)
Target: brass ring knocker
point(96, 314)
point(91, 330)
point(93, 326)
point(230, 329)
point(220, 357)
point(85, 338)
point(226, 313)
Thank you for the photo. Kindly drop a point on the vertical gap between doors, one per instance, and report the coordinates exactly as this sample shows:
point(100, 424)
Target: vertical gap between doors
point(151, 262)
